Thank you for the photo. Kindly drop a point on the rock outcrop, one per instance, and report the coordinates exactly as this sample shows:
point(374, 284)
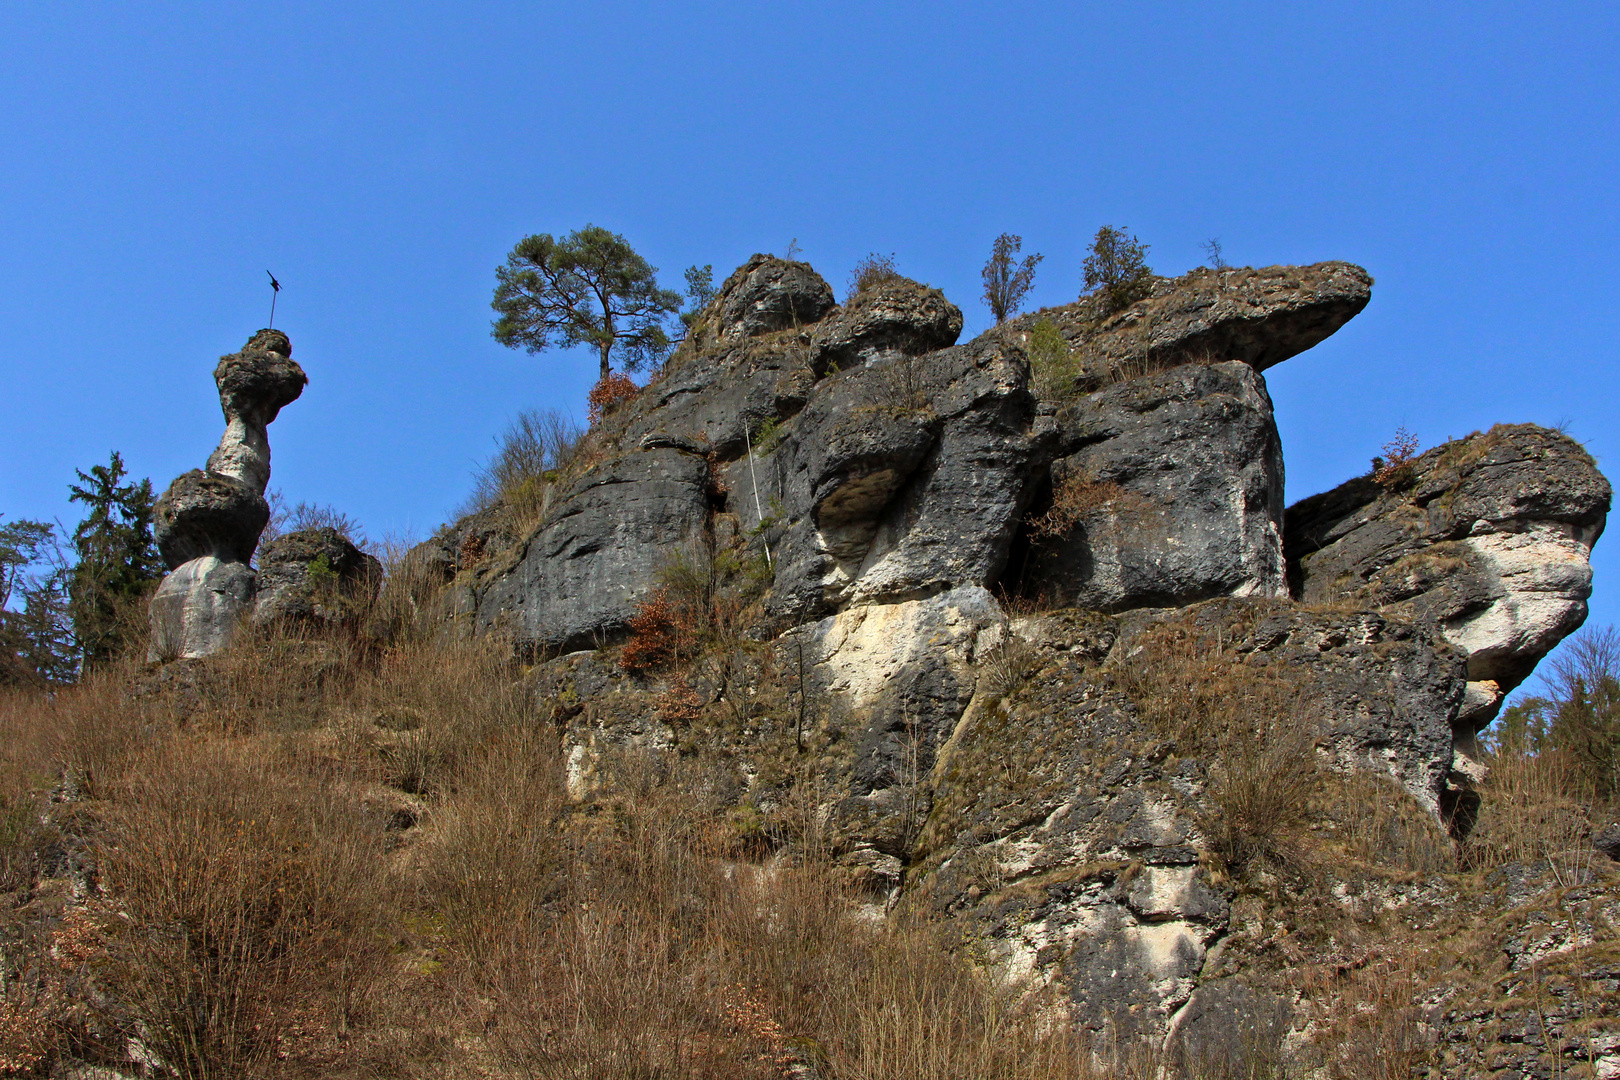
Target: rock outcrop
point(208, 522)
point(892, 463)
point(1048, 655)
point(1174, 486)
point(1487, 538)
point(313, 574)
point(1260, 317)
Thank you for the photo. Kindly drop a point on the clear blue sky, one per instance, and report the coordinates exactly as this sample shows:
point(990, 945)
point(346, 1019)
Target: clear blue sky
point(156, 159)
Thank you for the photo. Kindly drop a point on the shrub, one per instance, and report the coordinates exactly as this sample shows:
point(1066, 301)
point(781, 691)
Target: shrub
point(614, 389)
point(531, 452)
point(870, 272)
point(1393, 469)
point(1006, 280)
point(1054, 367)
point(1117, 269)
point(1074, 497)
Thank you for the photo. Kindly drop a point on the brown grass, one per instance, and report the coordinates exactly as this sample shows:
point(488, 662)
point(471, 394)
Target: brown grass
point(259, 896)
point(1246, 720)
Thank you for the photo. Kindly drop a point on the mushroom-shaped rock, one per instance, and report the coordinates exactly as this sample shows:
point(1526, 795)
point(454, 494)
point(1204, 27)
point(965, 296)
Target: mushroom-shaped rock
point(898, 315)
point(254, 385)
point(767, 293)
point(1258, 316)
point(313, 574)
point(208, 522)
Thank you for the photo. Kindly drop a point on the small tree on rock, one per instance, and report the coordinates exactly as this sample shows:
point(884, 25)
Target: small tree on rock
point(1117, 268)
point(590, 287)
point(1006, 280)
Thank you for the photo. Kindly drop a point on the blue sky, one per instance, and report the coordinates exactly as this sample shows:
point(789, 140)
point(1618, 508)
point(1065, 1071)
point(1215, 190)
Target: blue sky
point(155, 160)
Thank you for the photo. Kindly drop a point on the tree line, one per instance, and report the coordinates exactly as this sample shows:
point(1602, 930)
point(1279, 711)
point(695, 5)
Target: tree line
point(67, 602)
point(592, 288)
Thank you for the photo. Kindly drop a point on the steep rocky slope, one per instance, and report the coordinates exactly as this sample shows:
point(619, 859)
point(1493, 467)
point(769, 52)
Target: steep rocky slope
point(1054, 663)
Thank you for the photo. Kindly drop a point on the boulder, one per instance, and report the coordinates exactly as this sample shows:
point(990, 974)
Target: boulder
point(895, 315)
point(904, 476)
point(313, 574)
point(208, 521)
point(766, 294)
point(205, 513)
point(1167, 490)
point(1487, 538)
point(196, 608)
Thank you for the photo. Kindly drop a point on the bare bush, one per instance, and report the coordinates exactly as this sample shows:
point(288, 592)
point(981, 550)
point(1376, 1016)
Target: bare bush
point(869, 273)
point(533, 449)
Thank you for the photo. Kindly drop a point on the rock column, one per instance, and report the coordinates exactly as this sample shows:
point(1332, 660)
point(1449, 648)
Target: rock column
point(209, 521)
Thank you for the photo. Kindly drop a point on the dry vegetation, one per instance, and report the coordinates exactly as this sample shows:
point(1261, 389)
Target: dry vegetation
point(321, 855)
point(348, 853)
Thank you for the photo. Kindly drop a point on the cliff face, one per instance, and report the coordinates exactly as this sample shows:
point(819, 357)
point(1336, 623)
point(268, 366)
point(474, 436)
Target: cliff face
point(1041, 648)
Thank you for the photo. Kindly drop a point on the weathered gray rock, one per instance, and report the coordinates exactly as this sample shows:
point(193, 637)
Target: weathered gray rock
point(577, 582)
point(313, 574)
point(208, 514)
point(254, 385)
point(208, 522)
point(767, 294)
point(1376, 692)
point(904, 476)
point(1068, 835)
point(896, 315)
point(1228, 1025)
point(1260, 317)
point(1176, 485)
point(1487, 537)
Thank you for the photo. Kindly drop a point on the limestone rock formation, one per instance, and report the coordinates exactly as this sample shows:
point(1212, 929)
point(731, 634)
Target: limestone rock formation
point(314, 574)
point(1174, 483)
point(1258, 316)
point(208, 522)
point(1487, 537)
point(1051, 661)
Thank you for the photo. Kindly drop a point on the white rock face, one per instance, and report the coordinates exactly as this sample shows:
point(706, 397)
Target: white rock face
point(197, 607)
point(1541, 577)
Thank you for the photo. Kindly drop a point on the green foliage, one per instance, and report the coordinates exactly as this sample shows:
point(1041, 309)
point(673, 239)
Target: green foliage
point(591, 288)
point(322, 578)
point(117, 559)
point(700, 292)
point(36, 641)
point(1053, 365)
point(768, 436)
point(1579, 718)
point(1006, 280)
point(21, 544)
point(1117, 269)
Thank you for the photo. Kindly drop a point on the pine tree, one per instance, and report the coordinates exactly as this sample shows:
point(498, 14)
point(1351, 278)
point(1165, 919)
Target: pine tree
point(117, 559)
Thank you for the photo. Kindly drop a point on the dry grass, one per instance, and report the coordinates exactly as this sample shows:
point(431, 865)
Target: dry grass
point(1533, 807)
point(258, 896)
point(1246, 720)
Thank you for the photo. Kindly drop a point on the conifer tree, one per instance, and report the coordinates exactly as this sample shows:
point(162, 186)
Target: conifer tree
point(117, 558)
